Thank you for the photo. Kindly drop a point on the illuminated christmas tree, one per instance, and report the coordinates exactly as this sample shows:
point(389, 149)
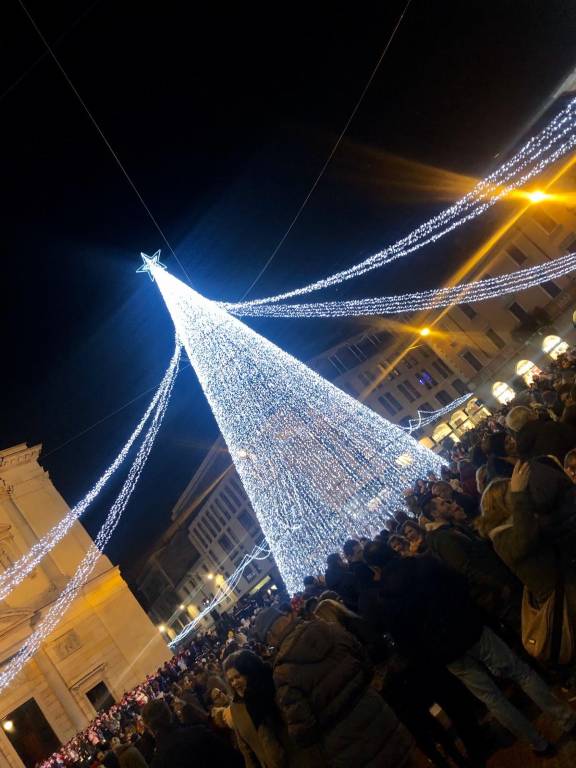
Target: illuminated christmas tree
point(317, 465)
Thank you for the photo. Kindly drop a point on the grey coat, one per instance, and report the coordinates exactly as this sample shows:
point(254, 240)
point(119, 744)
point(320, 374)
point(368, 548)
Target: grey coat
point(520, 544)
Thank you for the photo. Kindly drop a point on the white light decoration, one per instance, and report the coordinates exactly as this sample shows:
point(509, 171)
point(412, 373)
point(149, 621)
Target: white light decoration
point(20, 569)
point(260, 552)
point(58, 608)
point(482, 290)
point(309, 456)
point(545, 148)
point(424, 418)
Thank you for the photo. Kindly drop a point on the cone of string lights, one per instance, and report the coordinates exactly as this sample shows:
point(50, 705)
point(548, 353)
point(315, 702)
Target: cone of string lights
point(317, 465)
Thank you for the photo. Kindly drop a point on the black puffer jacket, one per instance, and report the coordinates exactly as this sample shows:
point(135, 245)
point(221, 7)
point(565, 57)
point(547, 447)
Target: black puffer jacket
point(426, 607)
point(340, 579)
point(321, 676)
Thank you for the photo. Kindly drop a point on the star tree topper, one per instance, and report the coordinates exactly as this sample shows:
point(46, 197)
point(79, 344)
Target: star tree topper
point(149, 262)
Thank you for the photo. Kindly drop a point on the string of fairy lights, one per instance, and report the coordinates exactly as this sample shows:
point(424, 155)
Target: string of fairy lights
point(25, 564)
point(260, 551)
point(542, 150)
point(482, 290)
point(425, 418)
point(58, 608)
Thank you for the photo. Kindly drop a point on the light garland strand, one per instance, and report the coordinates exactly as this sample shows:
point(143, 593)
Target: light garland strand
point(20, 569)
point(542, 150)
point(482, 290)
point(260, 552)
point(316, 464)
point(424, 418)
point(57, 610)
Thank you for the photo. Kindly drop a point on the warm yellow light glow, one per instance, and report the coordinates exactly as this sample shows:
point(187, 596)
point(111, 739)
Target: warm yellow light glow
point(162, 628)
point(219, 580)
point(424, 331)
point(8, 726)
point(210, 576)
point(182, 606)
point(537, 196)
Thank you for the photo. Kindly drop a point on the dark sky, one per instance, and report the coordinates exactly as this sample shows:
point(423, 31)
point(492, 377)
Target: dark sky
point(223, 119)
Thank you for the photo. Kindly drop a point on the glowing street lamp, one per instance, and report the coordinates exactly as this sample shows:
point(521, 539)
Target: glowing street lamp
point(8, 726)
point(424, 331)
point(537, 196)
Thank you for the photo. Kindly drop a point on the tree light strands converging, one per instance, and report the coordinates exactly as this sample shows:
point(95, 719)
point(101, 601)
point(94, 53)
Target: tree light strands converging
point(19, 570)
point(424, 418)
point(58, 608)
point(311, 458)
point(482, 290)
point(260, 552)
point(554, 141)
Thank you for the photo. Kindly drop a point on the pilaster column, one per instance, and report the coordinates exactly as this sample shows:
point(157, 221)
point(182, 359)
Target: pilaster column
point(21, 524)
point(58, 685)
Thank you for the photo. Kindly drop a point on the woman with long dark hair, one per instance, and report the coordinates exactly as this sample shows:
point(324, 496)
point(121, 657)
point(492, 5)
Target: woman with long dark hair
point(261, 736)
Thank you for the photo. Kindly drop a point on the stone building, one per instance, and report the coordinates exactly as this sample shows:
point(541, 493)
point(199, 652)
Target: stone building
point(104, 645)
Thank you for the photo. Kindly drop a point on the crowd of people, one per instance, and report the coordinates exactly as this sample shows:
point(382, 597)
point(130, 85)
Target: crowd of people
point(401, 650)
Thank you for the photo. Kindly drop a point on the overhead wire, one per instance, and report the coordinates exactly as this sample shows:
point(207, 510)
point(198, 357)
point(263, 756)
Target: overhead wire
point(104, 139)
point(331, 155)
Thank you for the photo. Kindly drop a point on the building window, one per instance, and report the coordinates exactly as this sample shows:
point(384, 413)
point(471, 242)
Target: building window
point(502, 392)
point(226, 543)
point(551, 288)
point(543, 220)
point(387, 407)
point(100, 697)
point(404, 391)
point(554, 346)
point(441, 365)
point(519, 312)
point(413, 391)
point(441, 431)
point(570, 246)
point(472, 361)
point(398, 405)
point(460, 387)
point(383, 339)
point(469, 311)
point(516, 254)
point(527, 370)
point(498, 341)
point(426, 408)
point(426, 379)
point(443, 397)
point(442, 369)
point(246, 521)
point(326, 368)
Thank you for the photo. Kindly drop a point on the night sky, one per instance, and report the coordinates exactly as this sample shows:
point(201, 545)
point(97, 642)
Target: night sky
point(223, 119)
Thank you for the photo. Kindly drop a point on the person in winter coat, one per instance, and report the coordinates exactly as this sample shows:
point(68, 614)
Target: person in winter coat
point(539, 438)
point(129, 756)
point(340, 579)
point(492, 586)
point(179, 747)
point(427, 610)
point(509, 522)
point(261, 735)
point(322, 680)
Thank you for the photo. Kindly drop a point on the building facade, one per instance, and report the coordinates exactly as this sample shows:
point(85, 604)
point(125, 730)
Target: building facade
point(104, 645)
point(213, 528)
